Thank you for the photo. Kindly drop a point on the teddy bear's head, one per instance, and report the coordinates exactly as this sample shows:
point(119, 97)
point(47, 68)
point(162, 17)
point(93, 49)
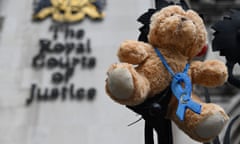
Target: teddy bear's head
point(173, 27)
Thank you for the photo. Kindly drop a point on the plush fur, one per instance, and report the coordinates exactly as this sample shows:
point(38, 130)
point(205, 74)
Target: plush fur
point(180, 35)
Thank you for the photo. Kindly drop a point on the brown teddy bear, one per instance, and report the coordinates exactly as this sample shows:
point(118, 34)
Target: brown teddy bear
point(179, 36)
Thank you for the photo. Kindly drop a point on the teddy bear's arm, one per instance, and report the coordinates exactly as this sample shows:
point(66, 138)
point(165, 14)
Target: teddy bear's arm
point(125, 85)
point(210, 73)
point(133, 52)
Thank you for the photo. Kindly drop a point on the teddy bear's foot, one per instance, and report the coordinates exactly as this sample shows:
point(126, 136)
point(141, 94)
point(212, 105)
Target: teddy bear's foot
point(203, 127)
point(211, 126)
point(206, 126)
point(125, 85)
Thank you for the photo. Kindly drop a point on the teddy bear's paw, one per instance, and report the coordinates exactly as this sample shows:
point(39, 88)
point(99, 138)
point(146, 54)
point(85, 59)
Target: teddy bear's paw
point(125, 85)
point(133, 52)
point(210, 127)
point(214, 73)
point(120, 83)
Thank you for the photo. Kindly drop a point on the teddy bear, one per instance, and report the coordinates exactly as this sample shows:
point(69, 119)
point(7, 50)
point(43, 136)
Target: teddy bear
point(178, 35)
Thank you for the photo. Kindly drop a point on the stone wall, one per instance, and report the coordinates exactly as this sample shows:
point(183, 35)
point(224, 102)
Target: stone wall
point(66, 120)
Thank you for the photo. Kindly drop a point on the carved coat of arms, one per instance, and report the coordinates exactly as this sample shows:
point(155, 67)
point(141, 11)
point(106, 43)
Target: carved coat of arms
point(68, 10)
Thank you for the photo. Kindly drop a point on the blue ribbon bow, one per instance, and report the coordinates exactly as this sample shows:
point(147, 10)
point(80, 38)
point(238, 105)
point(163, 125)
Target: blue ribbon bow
point(181, 87)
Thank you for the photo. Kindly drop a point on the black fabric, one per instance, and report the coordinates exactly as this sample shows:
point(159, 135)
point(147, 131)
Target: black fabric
point(145, 20)
point(227, 37)
point(184, 5)
point(153, 111)
point(227, 41)
point(162, 3)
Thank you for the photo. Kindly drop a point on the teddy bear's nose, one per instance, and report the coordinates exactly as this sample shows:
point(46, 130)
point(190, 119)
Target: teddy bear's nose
point(183, 19)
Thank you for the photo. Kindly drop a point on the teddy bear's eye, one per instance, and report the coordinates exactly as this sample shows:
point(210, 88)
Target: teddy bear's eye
point(172, 14)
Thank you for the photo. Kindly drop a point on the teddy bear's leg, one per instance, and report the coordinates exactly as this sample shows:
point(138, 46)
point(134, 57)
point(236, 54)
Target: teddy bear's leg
point(202, 127)
point(125, 85)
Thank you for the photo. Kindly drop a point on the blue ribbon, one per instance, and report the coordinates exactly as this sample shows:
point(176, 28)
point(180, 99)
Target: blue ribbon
point(181, 87)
